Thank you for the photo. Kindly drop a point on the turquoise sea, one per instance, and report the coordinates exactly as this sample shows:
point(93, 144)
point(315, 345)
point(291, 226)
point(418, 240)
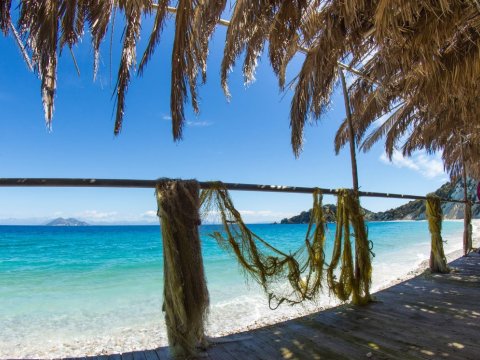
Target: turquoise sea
point(85, 290)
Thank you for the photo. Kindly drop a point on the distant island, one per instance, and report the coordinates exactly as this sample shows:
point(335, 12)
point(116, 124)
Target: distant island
point(66, 222)
point(413, 210)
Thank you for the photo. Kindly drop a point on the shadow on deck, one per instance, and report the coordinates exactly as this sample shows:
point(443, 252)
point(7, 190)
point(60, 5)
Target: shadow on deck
point(427, 317)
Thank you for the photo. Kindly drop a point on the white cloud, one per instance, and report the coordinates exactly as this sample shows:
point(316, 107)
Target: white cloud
point(199, 123)
point(263, 216)
point(114, 217)
point(250, 216)
point(430, 166)
point(190, 123)
point(256, 212)
point(93, 217)
point(149, 214)
point(98, 215)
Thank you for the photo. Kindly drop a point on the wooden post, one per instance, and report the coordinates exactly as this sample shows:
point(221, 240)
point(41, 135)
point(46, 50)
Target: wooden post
point(466, 217)
point(353, 158)
point(185, 293)
point(348, 112)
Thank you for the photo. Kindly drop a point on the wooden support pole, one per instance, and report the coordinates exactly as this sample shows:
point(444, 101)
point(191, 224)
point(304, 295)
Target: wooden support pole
point(438, 261)
point(467, 209)
point(185, 293)
point(348, 112)
point(353, 160)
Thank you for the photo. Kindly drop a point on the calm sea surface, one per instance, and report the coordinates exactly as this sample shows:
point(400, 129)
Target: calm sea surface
point(78, 290)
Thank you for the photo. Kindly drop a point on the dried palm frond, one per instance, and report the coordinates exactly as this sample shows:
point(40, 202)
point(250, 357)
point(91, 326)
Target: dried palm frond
point(332, 41)
point(5, 19)
point(427, 55)
point(22, 48)
point(248, 30)
point(98, 13)
point(421, 53)
point(195, 23)
point(133, 11)
point(160, 16)
point(68, 10)
point(390, 127)
point(283, 37)
point(39, 22)
point(207, 15)
point(184, 72)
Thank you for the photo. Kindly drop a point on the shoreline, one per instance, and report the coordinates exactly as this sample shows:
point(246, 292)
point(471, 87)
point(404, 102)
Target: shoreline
point(451, 256)
point(418, 270)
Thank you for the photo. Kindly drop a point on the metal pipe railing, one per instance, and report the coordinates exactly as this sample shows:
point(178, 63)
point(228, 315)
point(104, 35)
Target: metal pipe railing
point(145, 184)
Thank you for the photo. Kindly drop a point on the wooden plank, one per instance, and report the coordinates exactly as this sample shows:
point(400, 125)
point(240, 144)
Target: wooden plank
point(139, 355)
point(162, 353)
point(433, 316)
point(447, 311)
point(436, 335)
point(378, 334)
point(239, 350)
point(267, 343)
point(151, 355)
point(256, 347)
point(423, 317)
point(216, 352)
point(344, 342)
point(100, 357)
point(127, 356)
point(308, 346)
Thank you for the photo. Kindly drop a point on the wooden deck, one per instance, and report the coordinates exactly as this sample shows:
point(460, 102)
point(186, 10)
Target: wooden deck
point(428, 317)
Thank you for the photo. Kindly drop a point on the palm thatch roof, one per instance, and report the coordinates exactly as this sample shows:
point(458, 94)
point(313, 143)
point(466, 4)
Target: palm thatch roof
point(418, 60)
point(427, 62)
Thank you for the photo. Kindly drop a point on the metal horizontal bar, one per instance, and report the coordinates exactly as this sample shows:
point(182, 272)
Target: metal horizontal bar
point(144, 184)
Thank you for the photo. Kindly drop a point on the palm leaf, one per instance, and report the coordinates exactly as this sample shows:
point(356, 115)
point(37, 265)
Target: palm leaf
point(247, 30)
point(5, 19)
point(207, 15)
point(133, 11)
point(39, 21)
point(386, 127)
point(184, 70)
point(97, 15)
point(160, 16)
point(67, 12)
point(283, 37)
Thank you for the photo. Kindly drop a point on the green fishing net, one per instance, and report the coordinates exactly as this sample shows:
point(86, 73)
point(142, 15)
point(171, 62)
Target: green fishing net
point(304, 267)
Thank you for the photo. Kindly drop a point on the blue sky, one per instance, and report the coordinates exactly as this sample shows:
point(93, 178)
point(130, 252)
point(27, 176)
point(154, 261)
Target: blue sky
point(244, 140)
